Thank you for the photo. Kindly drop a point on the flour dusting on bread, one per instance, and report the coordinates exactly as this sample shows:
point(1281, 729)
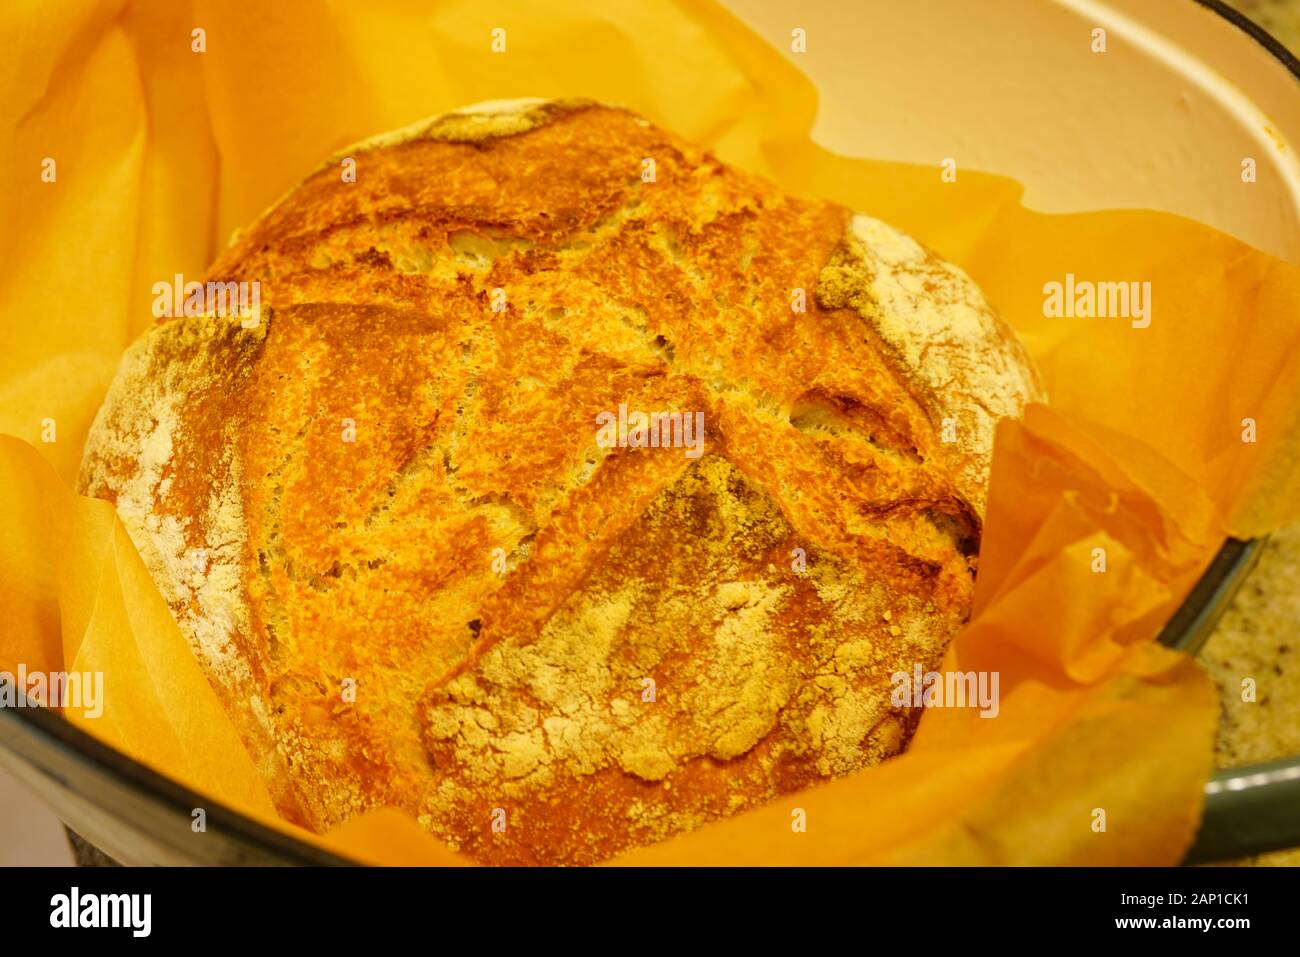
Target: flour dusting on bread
point(944, 336)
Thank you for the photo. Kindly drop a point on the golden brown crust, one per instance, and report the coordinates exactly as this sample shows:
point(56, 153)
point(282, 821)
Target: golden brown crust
point(504, 592)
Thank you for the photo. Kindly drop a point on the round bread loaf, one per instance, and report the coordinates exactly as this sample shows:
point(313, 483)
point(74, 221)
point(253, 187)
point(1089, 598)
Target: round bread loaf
point(572, 490)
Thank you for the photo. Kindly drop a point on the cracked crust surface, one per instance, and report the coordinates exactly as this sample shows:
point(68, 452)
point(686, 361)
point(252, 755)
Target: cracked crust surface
point(388, 486)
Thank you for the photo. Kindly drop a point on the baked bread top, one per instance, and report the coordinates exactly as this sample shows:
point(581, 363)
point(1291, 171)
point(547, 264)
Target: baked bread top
point(389, 521)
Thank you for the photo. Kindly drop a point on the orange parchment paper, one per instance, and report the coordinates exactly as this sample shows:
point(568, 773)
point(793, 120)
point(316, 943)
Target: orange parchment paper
point(161, 151)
